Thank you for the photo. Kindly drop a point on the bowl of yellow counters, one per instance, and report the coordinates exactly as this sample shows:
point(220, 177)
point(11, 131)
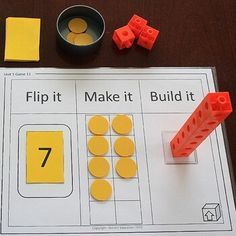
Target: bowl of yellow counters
point(80, 29)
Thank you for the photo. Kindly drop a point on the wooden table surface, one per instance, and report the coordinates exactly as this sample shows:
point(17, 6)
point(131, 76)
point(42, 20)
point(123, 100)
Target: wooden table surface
point(193, 33)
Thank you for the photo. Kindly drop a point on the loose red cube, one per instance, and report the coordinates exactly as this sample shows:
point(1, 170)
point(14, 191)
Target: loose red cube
point(148, 37)
point(123, 37)
point(137, 24)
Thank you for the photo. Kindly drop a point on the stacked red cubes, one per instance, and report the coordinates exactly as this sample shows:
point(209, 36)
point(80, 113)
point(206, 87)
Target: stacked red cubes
point(136, 28)
point(212, 111)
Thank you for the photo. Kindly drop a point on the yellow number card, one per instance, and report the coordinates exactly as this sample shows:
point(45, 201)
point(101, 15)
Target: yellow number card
point(22, 39)
point(44, 157)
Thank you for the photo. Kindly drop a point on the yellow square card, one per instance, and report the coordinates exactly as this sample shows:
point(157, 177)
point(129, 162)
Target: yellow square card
point(44, 157)
point(22, 39)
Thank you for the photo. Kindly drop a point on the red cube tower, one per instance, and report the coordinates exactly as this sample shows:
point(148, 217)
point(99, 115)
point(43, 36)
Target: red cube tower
point(213, 109)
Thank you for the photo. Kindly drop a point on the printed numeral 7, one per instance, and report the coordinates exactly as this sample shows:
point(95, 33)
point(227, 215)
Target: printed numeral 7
point(47, 155)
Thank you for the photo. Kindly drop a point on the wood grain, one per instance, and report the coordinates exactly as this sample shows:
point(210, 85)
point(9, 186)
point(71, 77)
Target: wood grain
point(193, 33)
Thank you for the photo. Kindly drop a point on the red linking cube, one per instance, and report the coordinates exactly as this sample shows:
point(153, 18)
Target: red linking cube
point(123, 37)
point(137, 24)
point(213, 109)
point(148, 37)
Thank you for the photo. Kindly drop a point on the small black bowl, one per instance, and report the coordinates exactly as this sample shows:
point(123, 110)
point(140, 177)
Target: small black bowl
point(96, 28)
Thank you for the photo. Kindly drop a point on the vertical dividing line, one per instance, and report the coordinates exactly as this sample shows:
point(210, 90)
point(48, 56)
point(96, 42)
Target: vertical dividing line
point(77, 134)
point(223, 178)
point(112, 166)
point(149, 185)
point(87, 167)
point(136, 159)
point(3, 124)
point(85, 121)
point(9, 157)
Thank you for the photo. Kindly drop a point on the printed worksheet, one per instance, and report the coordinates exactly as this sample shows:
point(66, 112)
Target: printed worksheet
point(63, 173)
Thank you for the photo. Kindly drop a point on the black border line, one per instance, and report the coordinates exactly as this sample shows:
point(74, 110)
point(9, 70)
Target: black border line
point(77, 148)
point(146, 155)
point(3, 150)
